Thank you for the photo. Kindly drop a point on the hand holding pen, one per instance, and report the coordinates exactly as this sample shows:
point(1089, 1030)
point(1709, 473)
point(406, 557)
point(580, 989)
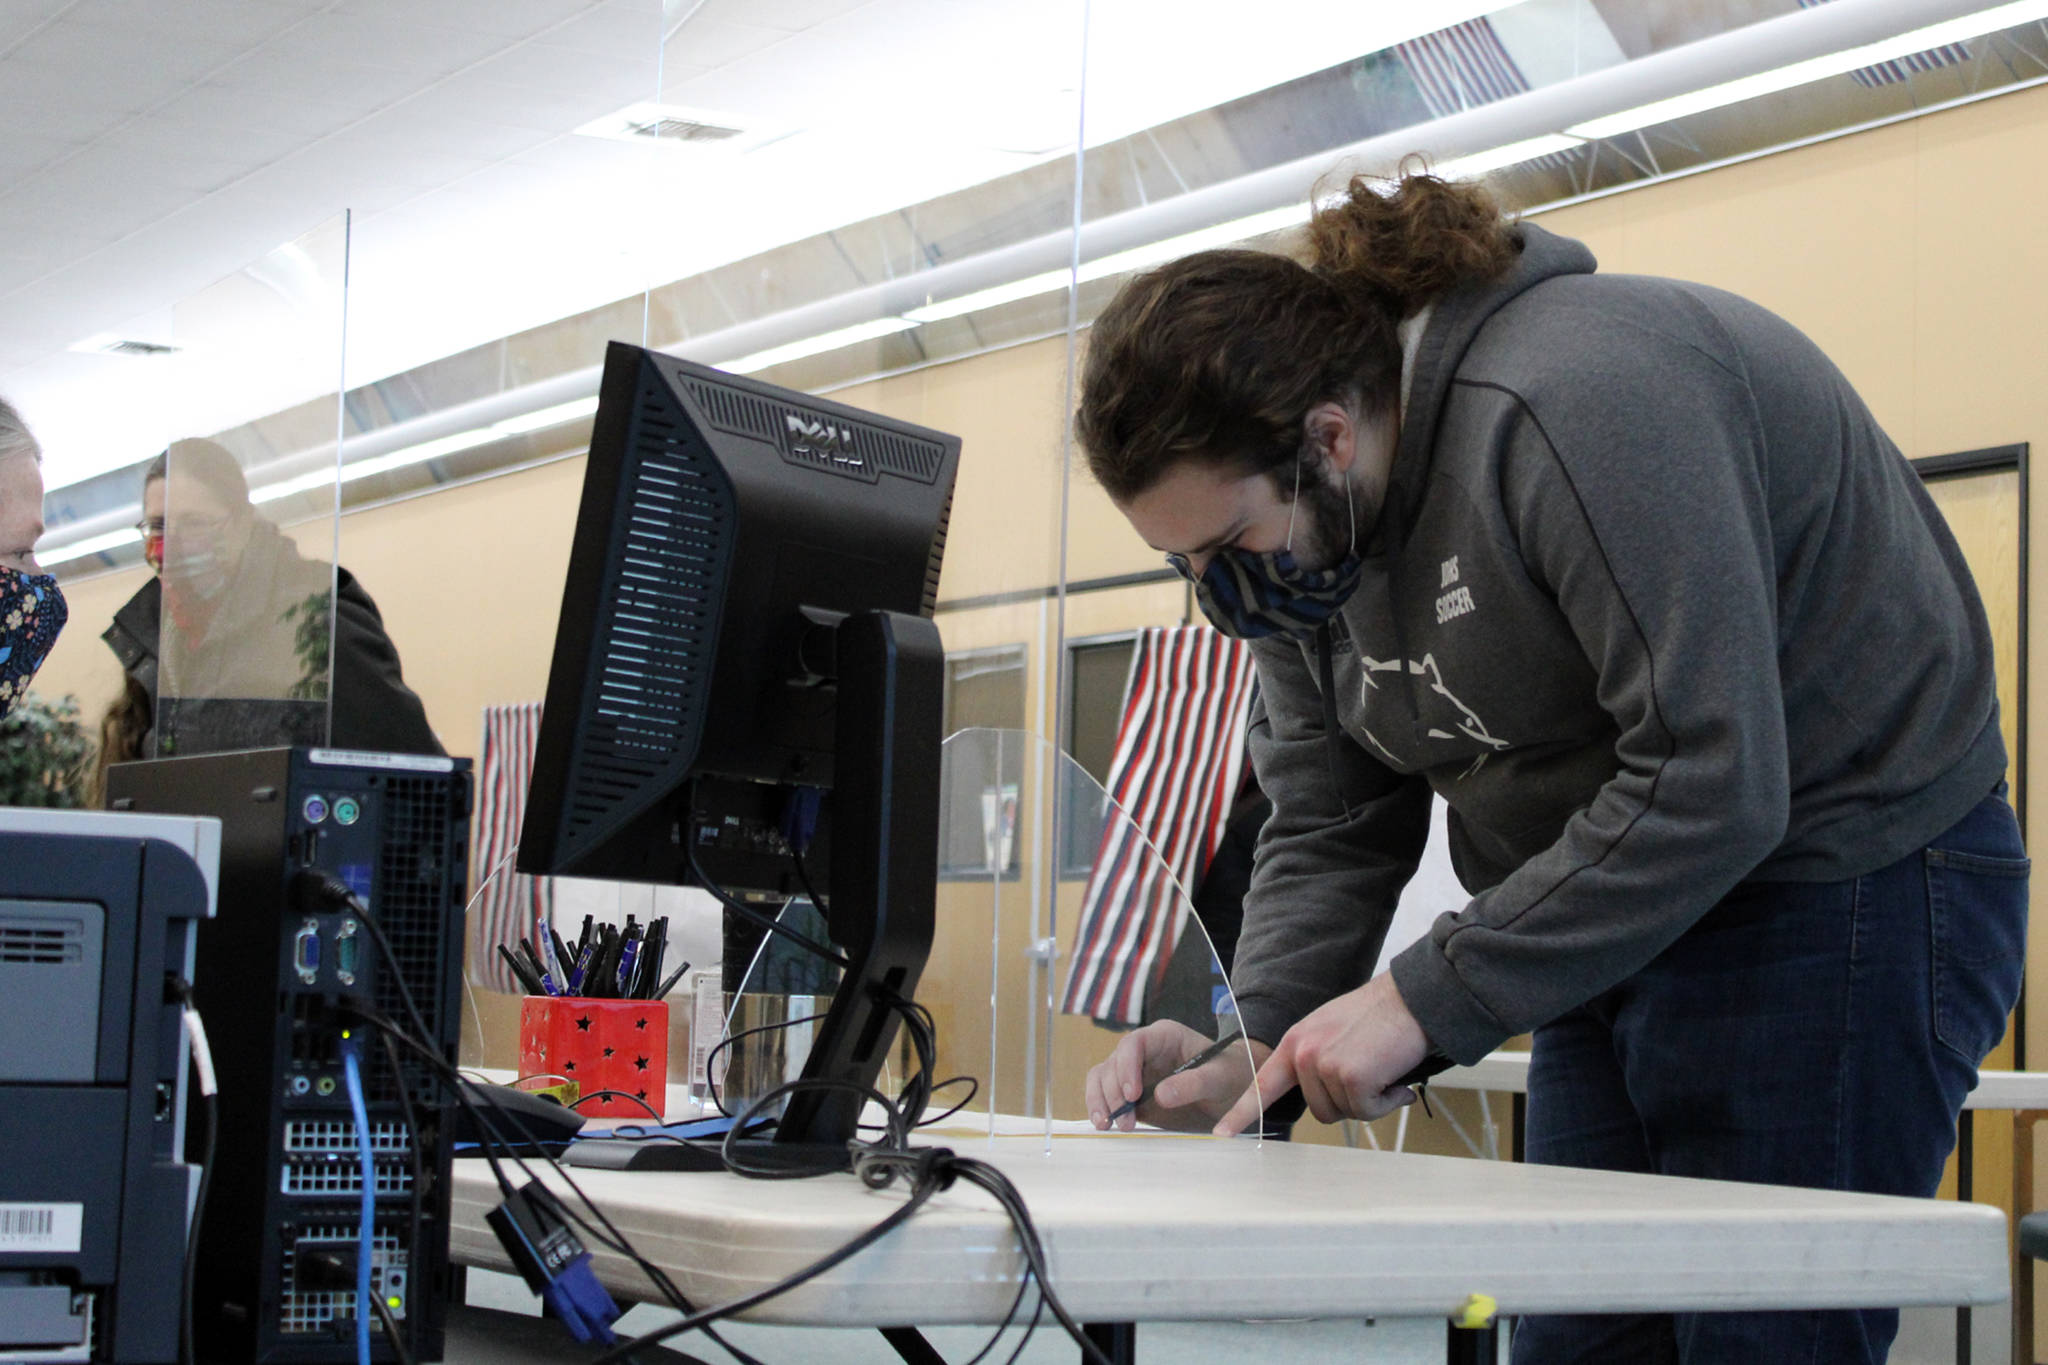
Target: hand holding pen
point(1168, 1053)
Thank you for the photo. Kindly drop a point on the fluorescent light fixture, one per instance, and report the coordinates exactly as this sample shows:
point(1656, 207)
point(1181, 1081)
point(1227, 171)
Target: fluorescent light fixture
point(537, 420)
point(1815, 68)
point(817, 345)
point(1173, 248)
point(993, 297)
point(542, 418)
point(1514, 153)
point(91, 545)
point(1137, 258)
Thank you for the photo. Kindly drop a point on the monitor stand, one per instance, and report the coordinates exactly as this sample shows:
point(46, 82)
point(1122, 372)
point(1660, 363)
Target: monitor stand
point(891, 670)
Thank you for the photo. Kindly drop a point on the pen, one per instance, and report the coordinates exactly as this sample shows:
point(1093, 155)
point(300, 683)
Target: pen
point(670, 984)
point(584, 958)
point(627, 955)
point(519, 970)
point(651, 956)
point(539, 968)
point(1202, 1058)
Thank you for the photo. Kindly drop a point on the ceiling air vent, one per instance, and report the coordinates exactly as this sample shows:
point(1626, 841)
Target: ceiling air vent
point(108, 344)
point(684, 130)
point(672, 125)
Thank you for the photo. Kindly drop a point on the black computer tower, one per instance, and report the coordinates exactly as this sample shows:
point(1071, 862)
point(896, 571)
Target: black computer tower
point(279, 969)
point(97, 918)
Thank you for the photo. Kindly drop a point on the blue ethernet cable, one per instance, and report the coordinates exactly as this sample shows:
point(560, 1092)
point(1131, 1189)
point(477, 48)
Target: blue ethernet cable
point(352, 1077)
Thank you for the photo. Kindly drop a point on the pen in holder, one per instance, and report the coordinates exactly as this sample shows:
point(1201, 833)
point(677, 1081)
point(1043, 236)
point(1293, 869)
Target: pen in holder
point(618, 1046)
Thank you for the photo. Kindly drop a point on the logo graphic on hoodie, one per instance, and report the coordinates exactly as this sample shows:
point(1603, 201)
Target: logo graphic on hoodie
point(1445, 711)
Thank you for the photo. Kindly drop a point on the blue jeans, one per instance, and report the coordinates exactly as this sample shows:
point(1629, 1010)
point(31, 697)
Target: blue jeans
point(1819, 1034)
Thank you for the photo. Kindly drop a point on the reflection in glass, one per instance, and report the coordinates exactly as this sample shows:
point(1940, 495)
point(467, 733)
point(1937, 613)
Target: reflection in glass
point(247, 634)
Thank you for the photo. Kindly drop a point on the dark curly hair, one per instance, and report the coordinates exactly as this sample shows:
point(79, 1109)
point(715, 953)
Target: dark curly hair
point(1220, 356)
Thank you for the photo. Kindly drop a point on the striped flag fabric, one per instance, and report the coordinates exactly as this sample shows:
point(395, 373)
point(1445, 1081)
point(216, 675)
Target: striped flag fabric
point(508, 905)
point(1180, 757)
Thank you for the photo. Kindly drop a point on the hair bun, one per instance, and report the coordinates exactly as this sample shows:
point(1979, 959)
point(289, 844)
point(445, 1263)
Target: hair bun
point(1411, 241)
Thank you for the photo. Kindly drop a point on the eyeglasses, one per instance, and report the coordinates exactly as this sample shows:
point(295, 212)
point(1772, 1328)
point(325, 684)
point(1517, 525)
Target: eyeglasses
point(200, 528)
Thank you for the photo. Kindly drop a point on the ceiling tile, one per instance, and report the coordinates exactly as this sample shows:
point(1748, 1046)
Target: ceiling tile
point(112, 67)
point(397, 41)
point(546, 67)
point(792, 16)
point(20, 18)
point(23, 153)
point(267, 126)
point(504, 18)
point(404, 131)
point(355, 86)
point(713, 42)
point(469, 96)
point(244, 23)
point(630, 31)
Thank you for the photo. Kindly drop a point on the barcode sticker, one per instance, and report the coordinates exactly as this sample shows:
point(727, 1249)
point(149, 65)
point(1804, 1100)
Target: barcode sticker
point(41, 1227)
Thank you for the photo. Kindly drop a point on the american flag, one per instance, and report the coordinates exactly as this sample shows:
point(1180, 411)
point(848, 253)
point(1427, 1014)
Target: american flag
point(509, 905)
point(1180, 756)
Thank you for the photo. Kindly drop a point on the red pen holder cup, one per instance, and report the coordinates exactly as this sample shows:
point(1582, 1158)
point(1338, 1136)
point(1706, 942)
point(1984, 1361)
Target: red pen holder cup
point(615, 1045)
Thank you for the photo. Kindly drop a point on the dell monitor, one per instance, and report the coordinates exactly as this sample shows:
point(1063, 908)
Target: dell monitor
point(747, 687)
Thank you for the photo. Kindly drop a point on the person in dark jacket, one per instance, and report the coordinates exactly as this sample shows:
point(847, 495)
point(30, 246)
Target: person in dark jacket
point(1625, 571)
point(229, 645)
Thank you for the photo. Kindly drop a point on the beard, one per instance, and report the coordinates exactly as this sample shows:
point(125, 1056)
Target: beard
point(1329, 525)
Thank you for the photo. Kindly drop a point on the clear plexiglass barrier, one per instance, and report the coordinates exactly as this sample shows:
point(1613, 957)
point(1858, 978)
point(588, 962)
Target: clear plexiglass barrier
point(1059, 929)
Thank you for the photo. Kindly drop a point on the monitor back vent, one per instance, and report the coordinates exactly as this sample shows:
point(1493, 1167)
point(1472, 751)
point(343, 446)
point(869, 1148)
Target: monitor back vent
point(42, 942)
point(740, 413)
point(900, 455)
point(654, 648)
point(876, 448)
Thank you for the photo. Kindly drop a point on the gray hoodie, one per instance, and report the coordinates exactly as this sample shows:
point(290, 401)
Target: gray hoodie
point(1656, 607)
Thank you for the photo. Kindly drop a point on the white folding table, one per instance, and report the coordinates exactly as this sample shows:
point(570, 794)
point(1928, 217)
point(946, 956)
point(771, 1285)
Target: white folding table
point(1151, 1228)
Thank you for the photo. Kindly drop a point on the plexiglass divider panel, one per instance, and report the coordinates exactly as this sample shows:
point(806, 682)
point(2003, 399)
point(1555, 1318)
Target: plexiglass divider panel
point(235, 634)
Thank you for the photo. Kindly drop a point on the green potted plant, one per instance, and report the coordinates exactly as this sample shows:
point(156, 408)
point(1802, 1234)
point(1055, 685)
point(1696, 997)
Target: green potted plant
point(45, 753)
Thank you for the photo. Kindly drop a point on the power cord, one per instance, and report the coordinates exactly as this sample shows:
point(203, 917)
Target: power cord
point(929, 1170)
point(877, 1164)
point(180, 990)
point(755, 917)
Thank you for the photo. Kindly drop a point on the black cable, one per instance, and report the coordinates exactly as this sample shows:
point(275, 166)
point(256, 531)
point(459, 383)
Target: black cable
point(450, 1078)
point(391, 1331)
point(1010, 1317)
point(1031, 1327)
point(211, 1113)
point(919, 1195)
point(803, 877)
point(582, 1100)
point(711, 1058)
point(973, 1089)
point(414, 1141)
point(755, 917)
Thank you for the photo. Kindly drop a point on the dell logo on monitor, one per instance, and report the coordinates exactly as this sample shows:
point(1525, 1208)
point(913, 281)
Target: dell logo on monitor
point(823, 442)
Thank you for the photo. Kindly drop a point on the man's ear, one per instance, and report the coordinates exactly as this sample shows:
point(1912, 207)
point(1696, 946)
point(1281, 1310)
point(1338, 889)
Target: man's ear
point(1332, 433)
